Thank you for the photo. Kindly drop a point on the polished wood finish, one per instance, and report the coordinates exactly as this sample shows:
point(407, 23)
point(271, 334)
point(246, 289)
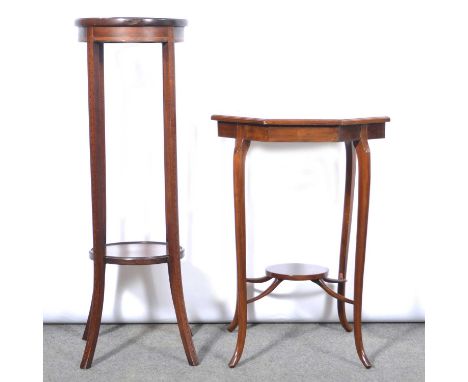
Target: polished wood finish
point(131, 29)
point(267, 291)
point(296, 271)
point(331, 292)
point(346, 229)
point(355, 134)
point(98, 191)
point(293, 272)
point(136, 253)
point(129, 22)
point(300, 130)
point(363, 156)
point(299, 122)
point(334, 281)
point(258, 279)
point(171, 196)
point(95, 32)
point(135, 34)
point(301, 133)
point(240, 152)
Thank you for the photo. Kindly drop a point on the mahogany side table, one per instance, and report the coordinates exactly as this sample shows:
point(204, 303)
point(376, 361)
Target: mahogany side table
point(355, 134)
point(95, 32)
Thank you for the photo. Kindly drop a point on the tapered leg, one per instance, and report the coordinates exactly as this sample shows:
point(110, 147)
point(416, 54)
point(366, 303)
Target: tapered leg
point(346, 229)
point(233, 324)
point(172, 215)
point(86, 331)
point(98, 190)
point(240, 153)
point(363, 156)
point(94, 319)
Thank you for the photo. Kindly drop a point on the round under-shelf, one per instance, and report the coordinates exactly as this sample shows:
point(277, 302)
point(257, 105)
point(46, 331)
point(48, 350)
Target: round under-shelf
point(296, 271)
point(136, 253)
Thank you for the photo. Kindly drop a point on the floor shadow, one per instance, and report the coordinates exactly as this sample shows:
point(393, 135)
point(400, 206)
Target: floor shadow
point(273, 344)
point(204, 348)
point(195, 328)
point(335, 326)
point(367, 327)
point(393, 340)
point(209, 342)
point(124, 345)
point(108, 329)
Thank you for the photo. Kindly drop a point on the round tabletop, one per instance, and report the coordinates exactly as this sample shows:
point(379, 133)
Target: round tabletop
point(130, 22)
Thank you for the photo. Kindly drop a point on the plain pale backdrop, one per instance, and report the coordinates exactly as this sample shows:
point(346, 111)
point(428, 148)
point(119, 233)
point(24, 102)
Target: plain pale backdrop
point(261, 59)
point(324, 60)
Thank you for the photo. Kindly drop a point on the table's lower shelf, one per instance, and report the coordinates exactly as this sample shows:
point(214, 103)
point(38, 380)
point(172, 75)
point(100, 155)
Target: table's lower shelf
point(296, 271)
point(136, 253)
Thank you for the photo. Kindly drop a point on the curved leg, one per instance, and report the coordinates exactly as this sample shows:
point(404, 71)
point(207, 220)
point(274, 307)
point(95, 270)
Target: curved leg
point(267, 291)
point(346, 229)
point(263, 279)
point(233, 325)
point(175, 279)
point(240, 153)
point(172, 214)
point(98, 190)
point(94, 320)
point(331, 292)
point(257, 280)
point(86, 331)
point(363, 155)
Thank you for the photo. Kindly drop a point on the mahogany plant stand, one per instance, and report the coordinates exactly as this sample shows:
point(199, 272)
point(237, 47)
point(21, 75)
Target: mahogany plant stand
point(354, 133)
point(95, 32)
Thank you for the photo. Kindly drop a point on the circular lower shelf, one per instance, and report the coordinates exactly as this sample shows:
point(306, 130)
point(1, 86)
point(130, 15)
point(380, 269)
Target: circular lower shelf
point(136, 253)
point(296, 271)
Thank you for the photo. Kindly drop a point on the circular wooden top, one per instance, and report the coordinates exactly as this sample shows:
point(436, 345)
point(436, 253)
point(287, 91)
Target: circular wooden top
point(296, 271)
point(130, 22)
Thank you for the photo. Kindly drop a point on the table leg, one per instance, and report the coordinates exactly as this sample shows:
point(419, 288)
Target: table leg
point(346, 229)
point(98, 190)
point(172, 214)
point(363, 156)
point(233, 324)
point(86, 331)
point(240, 152)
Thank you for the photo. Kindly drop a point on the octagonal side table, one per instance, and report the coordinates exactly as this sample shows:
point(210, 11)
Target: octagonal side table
point(355, 134)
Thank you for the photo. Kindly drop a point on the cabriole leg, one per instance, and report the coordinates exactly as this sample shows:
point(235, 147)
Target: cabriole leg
point(240, 153)
point(346, 229)
point(363, 156)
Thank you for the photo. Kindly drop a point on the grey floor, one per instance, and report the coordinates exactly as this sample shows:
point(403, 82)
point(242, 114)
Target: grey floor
point(273, 352)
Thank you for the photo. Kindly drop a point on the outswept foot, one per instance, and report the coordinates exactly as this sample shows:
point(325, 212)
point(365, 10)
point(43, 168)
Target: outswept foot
point(342, 316)
point(363, 357)
point(240, 152)
point(175, 280)
point(233, 325)
point(94, 320)
point(86, 331)
point(363, 156)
